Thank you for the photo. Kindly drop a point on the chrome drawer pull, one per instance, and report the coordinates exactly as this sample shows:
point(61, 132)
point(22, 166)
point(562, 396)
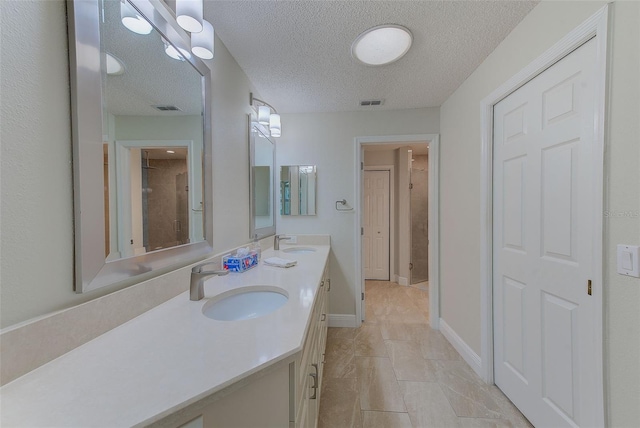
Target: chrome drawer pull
point(315, 382)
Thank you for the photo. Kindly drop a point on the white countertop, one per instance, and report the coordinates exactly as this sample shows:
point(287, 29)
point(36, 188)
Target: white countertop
point(168, 357)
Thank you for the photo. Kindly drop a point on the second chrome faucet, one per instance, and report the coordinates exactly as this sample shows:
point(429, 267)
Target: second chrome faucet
point(198, 276)
point(277, 239)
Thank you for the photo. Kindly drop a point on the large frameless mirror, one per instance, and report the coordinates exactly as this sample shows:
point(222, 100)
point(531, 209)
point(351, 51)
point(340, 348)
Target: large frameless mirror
point(298, 185)
point(262, 151)
point(141, 128)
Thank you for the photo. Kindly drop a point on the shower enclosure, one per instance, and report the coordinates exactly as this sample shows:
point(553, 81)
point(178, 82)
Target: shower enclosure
point(419, 203)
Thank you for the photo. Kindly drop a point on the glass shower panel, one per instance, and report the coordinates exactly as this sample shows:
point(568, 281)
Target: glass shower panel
point(419, 219)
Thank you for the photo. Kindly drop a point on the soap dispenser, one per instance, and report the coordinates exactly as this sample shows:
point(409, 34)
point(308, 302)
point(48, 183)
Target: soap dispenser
point(255, 246)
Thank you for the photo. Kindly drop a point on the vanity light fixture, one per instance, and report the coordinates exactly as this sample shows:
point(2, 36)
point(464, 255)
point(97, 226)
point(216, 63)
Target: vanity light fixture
point(275, 132)
point(267, 115)
point(171, 151)
point(202, 42)
point(133, 20)
point(179, 54)
point(189, 14)
point(382, 44)
point(274, 122)
point(263, 114)
point(114, 65)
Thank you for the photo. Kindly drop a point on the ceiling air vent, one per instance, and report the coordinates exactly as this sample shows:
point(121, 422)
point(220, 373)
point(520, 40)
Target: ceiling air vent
point(166, 108)
point(367, 103)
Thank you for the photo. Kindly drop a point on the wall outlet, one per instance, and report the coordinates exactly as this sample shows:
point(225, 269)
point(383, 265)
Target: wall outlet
point(293, 239)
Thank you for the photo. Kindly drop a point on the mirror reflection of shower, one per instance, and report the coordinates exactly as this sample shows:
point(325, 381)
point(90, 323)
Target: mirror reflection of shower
point(419, 219)
point(165, 198)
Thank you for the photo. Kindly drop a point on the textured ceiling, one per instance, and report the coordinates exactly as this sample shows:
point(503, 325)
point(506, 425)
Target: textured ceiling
point(297, 53)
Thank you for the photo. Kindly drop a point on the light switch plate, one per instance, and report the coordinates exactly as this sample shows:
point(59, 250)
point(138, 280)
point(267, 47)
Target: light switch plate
point(629, 260)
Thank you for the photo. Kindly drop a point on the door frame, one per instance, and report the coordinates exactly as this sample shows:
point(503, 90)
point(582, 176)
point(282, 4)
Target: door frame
point(392, 215)
point(433, 221)
point(594, 27)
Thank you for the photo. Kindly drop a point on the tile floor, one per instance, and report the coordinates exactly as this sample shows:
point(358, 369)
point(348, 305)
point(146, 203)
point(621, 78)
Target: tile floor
point(395, 372)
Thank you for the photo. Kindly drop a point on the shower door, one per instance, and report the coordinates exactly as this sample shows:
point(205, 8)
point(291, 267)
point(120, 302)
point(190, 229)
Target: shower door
point(419, 206)
point(182, 209)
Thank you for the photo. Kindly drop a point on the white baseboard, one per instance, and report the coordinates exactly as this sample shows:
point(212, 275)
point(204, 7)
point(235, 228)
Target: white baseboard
point(342, 320)
point(402, 281)
point(461, 346)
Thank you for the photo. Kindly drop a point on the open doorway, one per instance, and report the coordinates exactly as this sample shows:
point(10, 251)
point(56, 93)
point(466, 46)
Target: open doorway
point(397, 225)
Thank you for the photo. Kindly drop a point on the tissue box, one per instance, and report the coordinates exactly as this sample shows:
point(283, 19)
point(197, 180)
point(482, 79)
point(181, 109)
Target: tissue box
point(240, 264)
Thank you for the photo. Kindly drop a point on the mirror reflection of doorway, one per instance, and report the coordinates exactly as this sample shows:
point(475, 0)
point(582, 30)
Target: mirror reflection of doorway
point(419, 202)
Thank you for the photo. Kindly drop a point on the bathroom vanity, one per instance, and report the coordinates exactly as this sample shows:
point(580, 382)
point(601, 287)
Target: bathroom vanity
point(173, 366)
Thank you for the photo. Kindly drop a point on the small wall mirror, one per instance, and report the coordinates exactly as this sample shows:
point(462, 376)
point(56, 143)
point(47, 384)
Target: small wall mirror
point(262, 152)
point(141, 130)
point(298, 184)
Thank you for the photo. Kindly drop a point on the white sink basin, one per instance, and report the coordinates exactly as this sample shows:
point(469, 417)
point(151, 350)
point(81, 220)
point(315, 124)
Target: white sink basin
point(245, 303)
point(299, 250)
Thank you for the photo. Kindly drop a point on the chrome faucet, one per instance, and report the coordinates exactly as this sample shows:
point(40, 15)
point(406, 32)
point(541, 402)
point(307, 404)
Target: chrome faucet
point(277, 239)
point(198, 276)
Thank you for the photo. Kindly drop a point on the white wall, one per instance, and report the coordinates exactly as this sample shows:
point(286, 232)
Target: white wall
point(36, 248)
point(460, 177)
point(327, 140)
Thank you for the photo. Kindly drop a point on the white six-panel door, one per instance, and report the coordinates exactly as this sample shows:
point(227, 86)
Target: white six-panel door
point(544, 194)
point(375, 242)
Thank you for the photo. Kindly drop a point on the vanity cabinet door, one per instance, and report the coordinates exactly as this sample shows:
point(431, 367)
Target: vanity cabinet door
point(313, 392)
point(310, 365)
point(261, 402)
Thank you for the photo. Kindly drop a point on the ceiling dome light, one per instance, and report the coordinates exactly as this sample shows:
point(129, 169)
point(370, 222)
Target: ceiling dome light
point(202, 42)
point(132, 19)
point(382, 45)
point(189, 14)
point(114, 65)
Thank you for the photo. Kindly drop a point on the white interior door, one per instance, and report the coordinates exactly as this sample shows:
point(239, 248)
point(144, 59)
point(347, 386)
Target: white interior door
point(375, 241)
point(544, 197)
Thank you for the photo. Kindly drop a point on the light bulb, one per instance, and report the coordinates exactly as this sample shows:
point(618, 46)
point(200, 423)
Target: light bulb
point(202, 42)
point(274, 121)
point(263, 114)
point(189, 14)
point(179, 54)
point(132, 19)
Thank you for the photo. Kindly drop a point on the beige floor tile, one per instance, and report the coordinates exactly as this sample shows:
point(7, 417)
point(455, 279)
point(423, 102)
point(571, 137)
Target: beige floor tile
point(408, 363)
point(340, 404)
point(508, 410)
point(404, 331)
point(339, 359)
point(340, 333)
point(369, 342)
point(467, 394)
point(448, 369)
point(436, 347)
point(449, 395)
point(378, 385)
point(385, 420)
point(424, 286)
point(484, 423)
point(427, 405)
